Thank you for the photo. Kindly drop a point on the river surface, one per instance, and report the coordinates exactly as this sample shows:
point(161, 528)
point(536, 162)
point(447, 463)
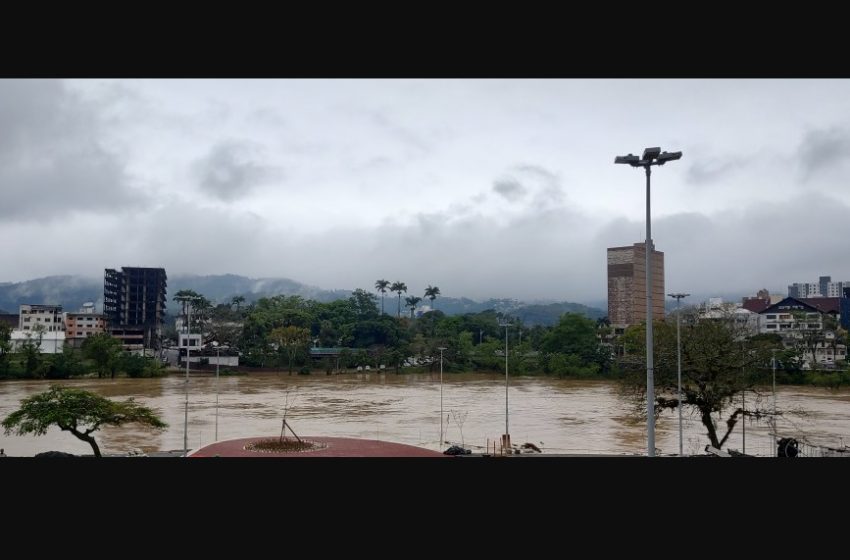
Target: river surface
point(557, 415)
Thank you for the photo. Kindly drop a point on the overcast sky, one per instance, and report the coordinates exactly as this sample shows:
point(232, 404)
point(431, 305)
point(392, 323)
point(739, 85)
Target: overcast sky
point(485, 188)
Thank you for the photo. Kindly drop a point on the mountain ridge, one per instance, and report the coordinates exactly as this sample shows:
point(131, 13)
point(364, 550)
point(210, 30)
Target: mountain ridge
point(72, 291)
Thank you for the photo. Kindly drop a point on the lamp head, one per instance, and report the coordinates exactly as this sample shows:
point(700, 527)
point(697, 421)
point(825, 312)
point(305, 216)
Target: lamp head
point(650, 154)
point(668, 156)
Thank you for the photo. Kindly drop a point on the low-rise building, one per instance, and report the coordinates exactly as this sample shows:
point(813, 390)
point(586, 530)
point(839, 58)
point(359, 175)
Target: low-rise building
point(49, 316)
point(83, 324)
point(48, 342)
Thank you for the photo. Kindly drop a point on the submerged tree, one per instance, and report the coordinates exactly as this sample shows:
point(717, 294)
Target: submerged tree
point(77, 411)
point(719, 364)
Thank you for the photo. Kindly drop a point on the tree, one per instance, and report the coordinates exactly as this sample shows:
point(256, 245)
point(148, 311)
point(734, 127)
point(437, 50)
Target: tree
point(411, 302)
point(399, 287)
point(290, 340)
point(237, 301)
point(575, 334)
point(381, 286)
point(431, 292)
point(77, 411)
point(201, 307)
point(105, 351)
point(718, 364)
point(31, 349)
point(5, 347)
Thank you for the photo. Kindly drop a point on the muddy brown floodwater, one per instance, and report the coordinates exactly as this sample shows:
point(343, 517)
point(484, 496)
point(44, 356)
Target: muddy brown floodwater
point(557, 415)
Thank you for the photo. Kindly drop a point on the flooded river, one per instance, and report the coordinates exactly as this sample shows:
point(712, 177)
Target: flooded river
point(557, 415)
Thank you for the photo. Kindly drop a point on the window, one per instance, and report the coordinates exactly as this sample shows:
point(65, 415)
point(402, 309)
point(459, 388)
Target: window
point(771, 317)
point(771, 326)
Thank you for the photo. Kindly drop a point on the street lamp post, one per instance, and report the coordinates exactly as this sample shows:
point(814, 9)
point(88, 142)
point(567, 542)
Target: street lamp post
point(188, 299)
point(441, 348)
point(217, 364)
point(651, 156)
point(507, 438)
point(773, 359)
point(679, 359)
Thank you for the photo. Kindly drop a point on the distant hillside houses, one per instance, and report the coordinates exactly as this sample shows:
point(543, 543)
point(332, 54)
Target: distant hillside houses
point(807, 324)
point(824, 287)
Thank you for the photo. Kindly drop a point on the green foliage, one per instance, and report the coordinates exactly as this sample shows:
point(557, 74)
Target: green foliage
point(77, 411)
point(830, 379)
point(381, 286)
point(569, 365)
point(29, 349)
point(574, 334)
point(411, 303)
point(718, 363)
point(290, 340)
point(63, 365)
point(105, 351)
point(5, 348)
point(431, 292)
point(133, 365)
point(399, 287)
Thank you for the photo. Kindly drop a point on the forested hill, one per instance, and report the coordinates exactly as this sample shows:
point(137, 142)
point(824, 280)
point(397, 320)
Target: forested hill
point(72, 291)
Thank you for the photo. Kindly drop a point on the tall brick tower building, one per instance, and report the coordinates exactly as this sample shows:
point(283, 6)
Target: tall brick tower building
point(627, 285)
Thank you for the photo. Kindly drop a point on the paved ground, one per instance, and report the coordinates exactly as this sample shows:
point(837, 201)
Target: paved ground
point(335, 447)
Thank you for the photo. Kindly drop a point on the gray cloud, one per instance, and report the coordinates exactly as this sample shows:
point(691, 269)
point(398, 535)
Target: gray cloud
point(52, 155)
point(232, 169)
point(459, 184)
point(511, 189)
point(767, 244)
point(823, 149)
point(711, 170)
point(401, 133)
point(538, 171)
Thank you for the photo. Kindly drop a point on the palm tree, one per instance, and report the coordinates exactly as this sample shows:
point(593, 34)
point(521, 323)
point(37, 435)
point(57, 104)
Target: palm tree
point(381, 286)
point(431, 292)
point(399, 287)
point(237, 301)
point(411, 303)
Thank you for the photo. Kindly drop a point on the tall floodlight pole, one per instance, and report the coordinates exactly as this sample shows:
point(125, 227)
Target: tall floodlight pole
point(441, 348)
point(217, 364)
point(189, 300)
point(506, 325)
point(773, 352)
point(679, 359)
point(651, 156)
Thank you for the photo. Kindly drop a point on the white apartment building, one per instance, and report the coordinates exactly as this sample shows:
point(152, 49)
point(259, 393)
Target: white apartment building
point(824, 287)
point(49, 316)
